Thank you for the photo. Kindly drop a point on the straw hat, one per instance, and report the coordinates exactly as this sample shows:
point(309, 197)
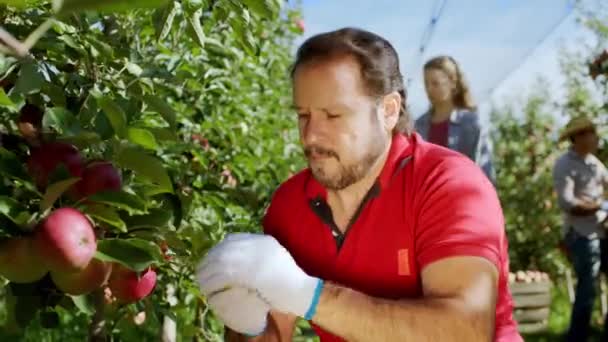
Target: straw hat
point(576, 125)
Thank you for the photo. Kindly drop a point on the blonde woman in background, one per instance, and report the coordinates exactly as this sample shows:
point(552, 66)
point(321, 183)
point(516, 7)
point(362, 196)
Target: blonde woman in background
point(452, 120)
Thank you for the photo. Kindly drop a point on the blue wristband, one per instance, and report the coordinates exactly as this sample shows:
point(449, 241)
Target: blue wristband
point(315, 301)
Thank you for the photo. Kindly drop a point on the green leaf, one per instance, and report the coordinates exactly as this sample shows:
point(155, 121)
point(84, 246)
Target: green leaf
point(163, 134)
point(102, 126)
point(142, 137)
point(172, 202)
point(55, 93)
point(135, 254)
point(175, 242)
point(266, 9)
point(121, 200)
point(134, 69)
point(11, 166)
point(12, 209)
point(156, 218)
point(5, 101)
point(115, 115)
point(54, 191)
point(21, 3)
point(106, 50)
point(68, 6)
point(81, 140)
point(163, 19)
point(107, 215)
point(70, 42)
point(158, 105)
point(243, 35)
point(195, 22)
point(145, 166)
point(60, 119)
point(84, 303)
point(30, 79)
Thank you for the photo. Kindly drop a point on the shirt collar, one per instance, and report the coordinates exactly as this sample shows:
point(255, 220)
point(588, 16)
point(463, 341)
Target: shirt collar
point(401, 147)
point(575, 155)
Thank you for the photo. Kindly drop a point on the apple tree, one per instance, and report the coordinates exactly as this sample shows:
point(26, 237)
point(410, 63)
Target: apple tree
point(135, 135)
point(526, 148)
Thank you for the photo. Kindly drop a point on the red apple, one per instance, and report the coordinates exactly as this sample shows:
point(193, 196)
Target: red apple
point(46, 158)
point(20, 262)
point(78, 283)
point(66, 240)
point(128, 286)
point(98, 176)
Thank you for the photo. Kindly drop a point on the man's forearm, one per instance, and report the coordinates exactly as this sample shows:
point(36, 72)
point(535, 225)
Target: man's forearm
point(357, 317)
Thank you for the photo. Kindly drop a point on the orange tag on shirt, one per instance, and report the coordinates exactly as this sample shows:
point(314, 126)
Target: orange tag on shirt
point(403, 260)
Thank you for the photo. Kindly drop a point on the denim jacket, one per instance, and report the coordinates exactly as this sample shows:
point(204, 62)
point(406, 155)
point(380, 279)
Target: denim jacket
point(465, 135)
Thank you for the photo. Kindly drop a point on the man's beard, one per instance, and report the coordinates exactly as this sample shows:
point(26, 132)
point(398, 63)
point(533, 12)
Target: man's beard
point(350, 174)
point(347, 174)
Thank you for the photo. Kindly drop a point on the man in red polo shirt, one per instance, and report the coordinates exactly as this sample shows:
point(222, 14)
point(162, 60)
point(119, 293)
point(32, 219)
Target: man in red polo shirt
point(384, 237)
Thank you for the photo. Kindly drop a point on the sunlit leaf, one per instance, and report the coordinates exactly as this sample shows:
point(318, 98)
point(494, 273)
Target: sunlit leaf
point(67, 6)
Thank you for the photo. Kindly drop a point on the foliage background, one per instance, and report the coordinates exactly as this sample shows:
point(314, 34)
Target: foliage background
point(200, 85)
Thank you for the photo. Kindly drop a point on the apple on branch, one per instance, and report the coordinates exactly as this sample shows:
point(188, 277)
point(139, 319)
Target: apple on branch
point(20, 262)
point(46, 158)
point(66, 240)
point(128, 286)
point(94, 276)
point(98, 176)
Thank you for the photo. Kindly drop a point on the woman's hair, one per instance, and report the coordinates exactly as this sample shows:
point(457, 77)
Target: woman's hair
point(377, 58)
point(462, 97)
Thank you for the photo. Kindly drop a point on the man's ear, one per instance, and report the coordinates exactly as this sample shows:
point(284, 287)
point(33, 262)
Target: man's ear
point(391, 105)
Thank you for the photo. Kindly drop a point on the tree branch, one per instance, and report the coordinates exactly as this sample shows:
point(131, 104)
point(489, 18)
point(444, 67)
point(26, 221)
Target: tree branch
point(97, 331)
point(16, 46)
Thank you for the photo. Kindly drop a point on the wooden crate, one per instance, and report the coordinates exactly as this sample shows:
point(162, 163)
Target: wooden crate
point(532, 302)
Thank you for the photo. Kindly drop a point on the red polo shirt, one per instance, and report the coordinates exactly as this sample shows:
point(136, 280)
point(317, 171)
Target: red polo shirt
point(428, 203)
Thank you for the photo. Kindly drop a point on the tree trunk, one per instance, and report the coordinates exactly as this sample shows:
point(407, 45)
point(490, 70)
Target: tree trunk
point(97, 331)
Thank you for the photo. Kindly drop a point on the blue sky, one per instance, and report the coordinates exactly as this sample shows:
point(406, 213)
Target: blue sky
point(489, 38)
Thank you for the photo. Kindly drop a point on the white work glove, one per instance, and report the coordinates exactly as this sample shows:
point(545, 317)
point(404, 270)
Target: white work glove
point(260, 263)
point(241, 310)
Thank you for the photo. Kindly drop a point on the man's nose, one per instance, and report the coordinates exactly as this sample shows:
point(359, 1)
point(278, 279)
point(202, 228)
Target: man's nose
point(312, 130)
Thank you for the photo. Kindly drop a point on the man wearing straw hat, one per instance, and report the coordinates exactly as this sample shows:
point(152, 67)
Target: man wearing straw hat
point(580, 179)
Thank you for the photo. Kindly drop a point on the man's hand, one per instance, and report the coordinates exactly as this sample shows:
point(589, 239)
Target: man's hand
point(585, 208)
point(241, 310)
point(261, 264)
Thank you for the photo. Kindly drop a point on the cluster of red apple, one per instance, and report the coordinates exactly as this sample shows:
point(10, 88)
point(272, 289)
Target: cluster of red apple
point(528, 277)
point(599, 65)
point(64, 242)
